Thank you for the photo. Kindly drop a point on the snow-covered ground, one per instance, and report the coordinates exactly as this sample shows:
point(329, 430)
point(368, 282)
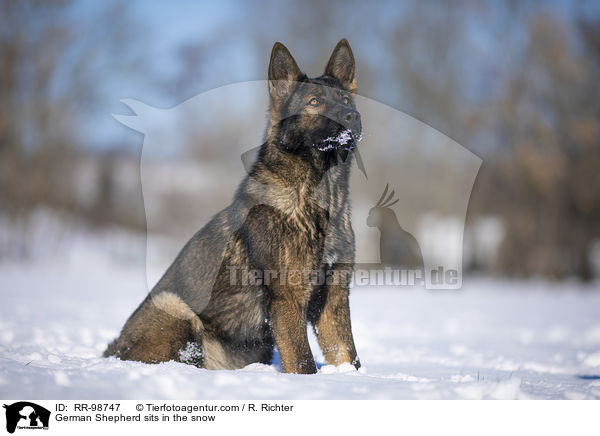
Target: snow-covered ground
point(492, 339)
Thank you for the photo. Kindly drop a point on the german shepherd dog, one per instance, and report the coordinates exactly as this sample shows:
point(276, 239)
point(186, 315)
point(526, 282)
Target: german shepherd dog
point(290, 214)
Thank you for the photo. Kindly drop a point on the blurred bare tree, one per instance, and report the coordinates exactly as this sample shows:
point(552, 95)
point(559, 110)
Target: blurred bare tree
point(546, 181)
point(53, 68)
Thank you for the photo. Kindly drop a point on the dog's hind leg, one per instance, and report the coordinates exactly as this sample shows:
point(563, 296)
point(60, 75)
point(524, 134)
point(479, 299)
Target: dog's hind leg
point(163, 328)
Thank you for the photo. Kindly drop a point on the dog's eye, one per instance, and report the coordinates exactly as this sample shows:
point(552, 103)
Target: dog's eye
point(314, 101)
point(346, 100)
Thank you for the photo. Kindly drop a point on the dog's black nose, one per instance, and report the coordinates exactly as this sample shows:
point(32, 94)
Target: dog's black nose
point(351, 117)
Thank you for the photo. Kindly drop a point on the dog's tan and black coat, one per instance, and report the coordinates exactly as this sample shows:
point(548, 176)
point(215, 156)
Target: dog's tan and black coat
point(291, 213)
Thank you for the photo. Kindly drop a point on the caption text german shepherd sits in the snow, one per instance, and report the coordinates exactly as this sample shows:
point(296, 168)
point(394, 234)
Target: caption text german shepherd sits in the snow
point(291, 214)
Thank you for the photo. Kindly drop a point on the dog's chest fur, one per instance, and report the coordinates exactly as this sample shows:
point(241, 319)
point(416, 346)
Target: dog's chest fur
point(312, 210)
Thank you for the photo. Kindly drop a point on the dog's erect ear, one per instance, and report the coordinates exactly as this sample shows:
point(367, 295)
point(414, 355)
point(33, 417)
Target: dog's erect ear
point(341, 65)
point(283, 71)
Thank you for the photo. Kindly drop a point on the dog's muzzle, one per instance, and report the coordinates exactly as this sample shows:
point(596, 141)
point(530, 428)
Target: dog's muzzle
point(351, 121)
point(348, 136)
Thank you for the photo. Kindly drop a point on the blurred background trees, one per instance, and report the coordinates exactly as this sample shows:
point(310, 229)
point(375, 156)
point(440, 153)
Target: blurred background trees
point(543, 177)
point(514, 82)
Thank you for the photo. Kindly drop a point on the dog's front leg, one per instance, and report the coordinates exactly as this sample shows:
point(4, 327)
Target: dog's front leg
point(288, 320)
point(331, 321)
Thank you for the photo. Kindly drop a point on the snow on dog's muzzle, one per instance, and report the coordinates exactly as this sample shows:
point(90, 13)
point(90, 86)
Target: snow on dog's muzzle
point(345, 140)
